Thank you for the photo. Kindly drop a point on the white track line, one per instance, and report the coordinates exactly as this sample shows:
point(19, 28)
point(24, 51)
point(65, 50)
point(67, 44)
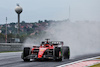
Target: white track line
point(78, 61)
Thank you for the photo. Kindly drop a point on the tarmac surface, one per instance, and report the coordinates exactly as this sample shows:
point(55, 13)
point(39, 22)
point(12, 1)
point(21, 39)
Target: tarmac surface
point(13, 59)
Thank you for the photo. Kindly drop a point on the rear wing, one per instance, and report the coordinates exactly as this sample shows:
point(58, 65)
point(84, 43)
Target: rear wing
point(53, 42)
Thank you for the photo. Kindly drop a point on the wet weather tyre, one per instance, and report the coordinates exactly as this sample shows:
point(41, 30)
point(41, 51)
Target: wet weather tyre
point(57, 50)
point(59, 59)
point(26, 52)
point(66, 52)
point(26, 60)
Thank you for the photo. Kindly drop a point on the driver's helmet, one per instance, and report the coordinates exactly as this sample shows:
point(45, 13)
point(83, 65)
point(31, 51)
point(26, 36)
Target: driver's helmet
point(47, 44)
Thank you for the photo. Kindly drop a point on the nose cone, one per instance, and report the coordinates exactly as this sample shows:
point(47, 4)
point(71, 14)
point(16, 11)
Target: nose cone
point(18, 9)
point(41, 52)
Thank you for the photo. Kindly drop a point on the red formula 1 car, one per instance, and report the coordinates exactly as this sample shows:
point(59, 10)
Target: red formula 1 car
point(47, 50)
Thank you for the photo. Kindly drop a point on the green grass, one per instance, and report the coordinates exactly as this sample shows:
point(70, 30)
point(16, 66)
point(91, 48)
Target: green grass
point(97, 65)
point(10, 51)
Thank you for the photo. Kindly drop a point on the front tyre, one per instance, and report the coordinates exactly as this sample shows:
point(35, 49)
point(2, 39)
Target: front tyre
point(58, 59)
point(26, 60)
point(57, 51)
point(26, 52)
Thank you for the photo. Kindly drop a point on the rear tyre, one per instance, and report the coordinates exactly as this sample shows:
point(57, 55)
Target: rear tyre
point(66, 52)
point(26, 52)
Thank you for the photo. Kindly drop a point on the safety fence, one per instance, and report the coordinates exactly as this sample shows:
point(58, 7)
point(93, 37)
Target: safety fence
point(4, 47)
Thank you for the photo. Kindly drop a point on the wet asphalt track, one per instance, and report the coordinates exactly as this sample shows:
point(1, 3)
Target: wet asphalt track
point(13, 60)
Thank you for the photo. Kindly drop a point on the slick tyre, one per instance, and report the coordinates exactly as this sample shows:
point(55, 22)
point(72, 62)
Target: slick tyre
point(26, 52)
point(66, 52)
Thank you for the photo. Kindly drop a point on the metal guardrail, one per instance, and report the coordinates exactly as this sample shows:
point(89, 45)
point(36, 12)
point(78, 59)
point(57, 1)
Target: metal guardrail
point(11, 47)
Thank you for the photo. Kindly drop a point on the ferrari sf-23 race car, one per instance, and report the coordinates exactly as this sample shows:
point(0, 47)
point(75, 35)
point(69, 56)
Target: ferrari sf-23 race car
point(47, 50)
